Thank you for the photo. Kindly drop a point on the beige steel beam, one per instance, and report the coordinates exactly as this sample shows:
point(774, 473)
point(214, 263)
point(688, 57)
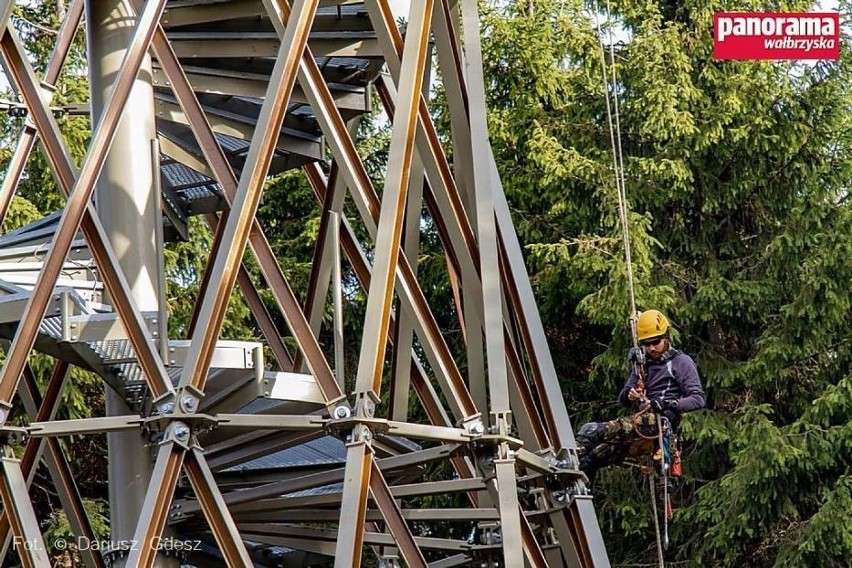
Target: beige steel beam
point(27, 540)
point(187, 15)
point(353, 505)
point(250, 498)
point(222, 123)
point(315, 515)
point(246, 84)
point(302, 534)
point(389, 233)
point(241, 46)
point(403, 328)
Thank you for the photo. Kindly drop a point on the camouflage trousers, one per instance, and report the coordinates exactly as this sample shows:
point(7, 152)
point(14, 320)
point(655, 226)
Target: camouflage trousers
point(600, 444)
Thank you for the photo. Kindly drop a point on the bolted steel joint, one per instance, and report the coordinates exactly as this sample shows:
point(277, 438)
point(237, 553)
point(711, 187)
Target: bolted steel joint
point(181, 431)
point(369, 407)
point(342, 412)
point(361, 433)
point(188, 403)
point(476, 428)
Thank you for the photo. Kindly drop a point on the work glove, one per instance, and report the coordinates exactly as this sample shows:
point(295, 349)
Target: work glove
point(659, 405)
point(667, 408)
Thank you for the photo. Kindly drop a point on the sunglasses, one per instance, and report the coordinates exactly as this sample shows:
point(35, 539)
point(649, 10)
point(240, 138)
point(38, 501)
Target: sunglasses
point(652, 342)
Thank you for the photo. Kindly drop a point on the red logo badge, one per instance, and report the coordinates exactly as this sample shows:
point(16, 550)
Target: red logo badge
point(758, 35)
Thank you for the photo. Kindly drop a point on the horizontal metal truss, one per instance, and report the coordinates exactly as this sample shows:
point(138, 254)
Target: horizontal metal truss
point(299, 464)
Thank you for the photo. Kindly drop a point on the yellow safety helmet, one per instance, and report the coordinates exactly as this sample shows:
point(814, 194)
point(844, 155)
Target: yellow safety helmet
point(651, 324)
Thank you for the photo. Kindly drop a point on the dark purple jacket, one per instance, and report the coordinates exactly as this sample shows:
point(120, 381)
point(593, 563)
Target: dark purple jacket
point(673, 377)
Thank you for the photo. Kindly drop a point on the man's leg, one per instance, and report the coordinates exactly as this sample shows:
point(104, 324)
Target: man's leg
point(600, 444)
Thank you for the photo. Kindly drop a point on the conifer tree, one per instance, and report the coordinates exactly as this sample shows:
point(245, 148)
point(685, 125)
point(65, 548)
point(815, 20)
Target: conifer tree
point(737, 177)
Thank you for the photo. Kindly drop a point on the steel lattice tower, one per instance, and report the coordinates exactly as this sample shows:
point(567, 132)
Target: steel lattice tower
point(276, 463)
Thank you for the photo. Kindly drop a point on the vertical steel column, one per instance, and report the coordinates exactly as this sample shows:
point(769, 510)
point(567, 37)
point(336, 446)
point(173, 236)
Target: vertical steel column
point(127, 207)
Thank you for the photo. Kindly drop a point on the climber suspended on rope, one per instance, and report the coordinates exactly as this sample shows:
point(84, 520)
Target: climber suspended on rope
point(664, 381)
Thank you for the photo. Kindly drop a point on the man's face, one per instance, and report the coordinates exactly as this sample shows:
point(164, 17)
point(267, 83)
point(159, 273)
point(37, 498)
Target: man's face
point(655, 348)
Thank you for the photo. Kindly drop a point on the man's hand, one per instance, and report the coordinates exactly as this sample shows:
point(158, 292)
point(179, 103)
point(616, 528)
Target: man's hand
point(633, 394)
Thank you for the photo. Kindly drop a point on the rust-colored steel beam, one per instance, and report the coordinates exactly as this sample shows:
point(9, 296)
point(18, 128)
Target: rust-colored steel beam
point(254, 301)
point(42, 409)
point(351, 167)
point(530, 418)
point(435, 161)
point(458, 397)
point(247, 198)
point(28, 137)
point(155, 508)
point(532, 549)
point(393, 517)
point(214, 508)
point(512, 355)
point(389, 235)
point(283, 294)
point(47, 405)
point(542, 412)
point(264, 320)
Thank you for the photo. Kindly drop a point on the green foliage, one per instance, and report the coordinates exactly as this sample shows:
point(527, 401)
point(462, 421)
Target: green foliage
point(737, 177)
point(59, 531)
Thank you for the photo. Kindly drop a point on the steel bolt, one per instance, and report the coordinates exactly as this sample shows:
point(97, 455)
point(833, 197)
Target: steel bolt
point(188, 403)
point(167, 408)
point(477, 429)
point(182, 432)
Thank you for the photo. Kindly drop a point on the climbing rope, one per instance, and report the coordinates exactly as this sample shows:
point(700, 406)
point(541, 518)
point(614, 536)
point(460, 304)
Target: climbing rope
point(614, 122)
point(656, 520)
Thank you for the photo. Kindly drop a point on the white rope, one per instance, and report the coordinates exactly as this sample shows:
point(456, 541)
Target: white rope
point(618, 171)
point(656, 520)
point(617, 161)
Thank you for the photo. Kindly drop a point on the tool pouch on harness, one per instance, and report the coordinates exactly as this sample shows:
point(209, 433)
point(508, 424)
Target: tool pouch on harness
point(646, 424)
point(674, 448)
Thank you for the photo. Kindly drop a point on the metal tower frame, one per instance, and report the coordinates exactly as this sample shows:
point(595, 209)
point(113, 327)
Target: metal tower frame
point(503, 429)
